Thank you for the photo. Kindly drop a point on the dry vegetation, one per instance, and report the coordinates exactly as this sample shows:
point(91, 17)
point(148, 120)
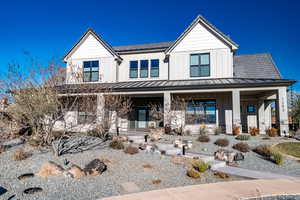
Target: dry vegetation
point(222, 142)
point(20, 154)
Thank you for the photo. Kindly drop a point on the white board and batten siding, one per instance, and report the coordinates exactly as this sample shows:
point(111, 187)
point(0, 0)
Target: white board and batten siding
point(90, 50)
point(125, 66)
point(200, 40)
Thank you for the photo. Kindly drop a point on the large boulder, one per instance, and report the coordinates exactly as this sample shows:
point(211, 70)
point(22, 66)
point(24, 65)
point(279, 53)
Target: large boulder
point(50, 168)
point(76, 171)
point(95, 167)
point(224, 155)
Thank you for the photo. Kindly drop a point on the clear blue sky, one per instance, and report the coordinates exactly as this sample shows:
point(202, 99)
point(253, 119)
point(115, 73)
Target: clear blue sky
point(50, 28)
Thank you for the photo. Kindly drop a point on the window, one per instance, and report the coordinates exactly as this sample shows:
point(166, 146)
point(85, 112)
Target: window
point(250, 109)
point(133, 71)
point(87, 110)
point(200, 111)
point(200, 65)
point(144, 68)
point(154, 68)
point(90, 71)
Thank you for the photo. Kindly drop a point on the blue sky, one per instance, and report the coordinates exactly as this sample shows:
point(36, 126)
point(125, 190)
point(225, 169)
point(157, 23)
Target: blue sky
point(48, 29)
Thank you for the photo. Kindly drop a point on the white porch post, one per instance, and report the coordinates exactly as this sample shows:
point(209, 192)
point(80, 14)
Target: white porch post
point(268, 115)
point(100, 107)
point(236, 108)
point(261, 116)
point(167, 107)
point(283, 111)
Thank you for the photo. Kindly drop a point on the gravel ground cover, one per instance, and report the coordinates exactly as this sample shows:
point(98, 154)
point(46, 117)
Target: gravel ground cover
point(252, 160)
point(122, 168)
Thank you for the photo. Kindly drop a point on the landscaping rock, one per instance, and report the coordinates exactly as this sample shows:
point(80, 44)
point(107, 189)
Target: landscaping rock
point(2, 190)
point(12, 143)
point(50, 168)
point(76, 171)
point(95, 167)
point(225, 155)
point(239, 157)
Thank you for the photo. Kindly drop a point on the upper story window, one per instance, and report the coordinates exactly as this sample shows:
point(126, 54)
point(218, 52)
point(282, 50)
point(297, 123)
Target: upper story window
point(133, 71)
point(154, 68)
point(200, 65)
point(144, 68)
point(90, 71)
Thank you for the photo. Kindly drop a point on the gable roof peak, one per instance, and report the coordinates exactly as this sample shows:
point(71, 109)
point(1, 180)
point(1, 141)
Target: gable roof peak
point(209, 26)
point(90, 31)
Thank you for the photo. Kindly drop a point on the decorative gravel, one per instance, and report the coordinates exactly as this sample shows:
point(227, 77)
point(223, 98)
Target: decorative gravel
point(252, 160)
point(122, 168)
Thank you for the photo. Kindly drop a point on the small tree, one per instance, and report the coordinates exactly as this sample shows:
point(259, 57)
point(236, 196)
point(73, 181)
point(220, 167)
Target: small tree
point(296, 111)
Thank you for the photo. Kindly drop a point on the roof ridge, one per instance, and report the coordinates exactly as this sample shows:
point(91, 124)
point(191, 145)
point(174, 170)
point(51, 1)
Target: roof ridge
point(251, 54)
point(142, 43)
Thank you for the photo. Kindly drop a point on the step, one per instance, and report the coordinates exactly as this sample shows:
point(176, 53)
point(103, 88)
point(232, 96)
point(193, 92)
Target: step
point(205, 158)
point(165, 147)
point(216, 164)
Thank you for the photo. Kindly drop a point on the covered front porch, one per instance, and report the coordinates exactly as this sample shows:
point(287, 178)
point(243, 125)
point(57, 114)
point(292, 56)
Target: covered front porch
point(224, 108)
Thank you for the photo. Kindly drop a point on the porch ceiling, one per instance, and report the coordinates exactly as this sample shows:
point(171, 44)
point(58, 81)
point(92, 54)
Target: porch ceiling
point(174, 85)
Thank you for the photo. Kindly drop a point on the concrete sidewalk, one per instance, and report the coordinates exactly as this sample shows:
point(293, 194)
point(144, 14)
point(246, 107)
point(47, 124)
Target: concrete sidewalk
point(220, 191)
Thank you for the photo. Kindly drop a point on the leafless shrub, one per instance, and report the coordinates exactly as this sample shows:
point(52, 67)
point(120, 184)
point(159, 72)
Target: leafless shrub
point(20, 154)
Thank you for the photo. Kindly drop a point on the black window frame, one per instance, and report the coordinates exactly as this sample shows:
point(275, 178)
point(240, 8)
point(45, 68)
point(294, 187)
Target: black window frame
point(204, 104)
point(143, 68)
point(137, 68)
point(152, 68)
point(91, 71)
point(200, 65)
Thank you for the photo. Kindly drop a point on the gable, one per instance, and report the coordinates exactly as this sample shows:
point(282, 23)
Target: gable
point(91, 45)
point(90, 48)
point(199, 38)
point(200, 35)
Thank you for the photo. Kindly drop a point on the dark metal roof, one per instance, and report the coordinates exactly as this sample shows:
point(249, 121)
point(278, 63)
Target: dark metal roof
point(149, 46)
point(255, 66)
point(174, 85)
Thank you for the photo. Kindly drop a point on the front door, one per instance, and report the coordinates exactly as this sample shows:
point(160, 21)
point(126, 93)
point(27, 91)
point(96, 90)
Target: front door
point(142, 118)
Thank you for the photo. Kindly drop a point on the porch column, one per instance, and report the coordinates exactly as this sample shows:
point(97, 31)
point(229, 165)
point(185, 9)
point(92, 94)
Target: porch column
point(167, 107)
point(100, 107)
point(261, 116)
point(268, 114)
point(236, 108)
point(283, 111)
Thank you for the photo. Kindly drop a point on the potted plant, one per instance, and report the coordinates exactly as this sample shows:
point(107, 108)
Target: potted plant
point(236, 130)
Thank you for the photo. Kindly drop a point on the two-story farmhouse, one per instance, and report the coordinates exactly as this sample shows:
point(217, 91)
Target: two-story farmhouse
point(227, 89)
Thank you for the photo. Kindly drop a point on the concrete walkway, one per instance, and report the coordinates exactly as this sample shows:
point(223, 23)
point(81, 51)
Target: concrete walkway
point(252, 173)
point(220, 191)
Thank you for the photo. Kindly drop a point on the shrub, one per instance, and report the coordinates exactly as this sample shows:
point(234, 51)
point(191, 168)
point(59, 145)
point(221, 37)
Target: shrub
point(266, 138)
point(2, 149)
point(236, 130)
point(203, 129)
point(131, 150)
point(221, 175)
point(272, 132)
point(168, 129)
point(223, 142)
point(156, 181)
point(277, 157)
point(242, 147)
point(217, 130)
point(20, 154)
point(254, 131)
point(242, 137)
point(200, 165)
point(203, 138)
point(116, 144)
point(193, 173)
point(263, 150)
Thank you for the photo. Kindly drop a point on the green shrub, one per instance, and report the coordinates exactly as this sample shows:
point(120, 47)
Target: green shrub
point(242, 147)
point(200, 165)
point(203, 129)
point(263, 150)
point(193, 173)
point(277, 157)
point(116, 144)
point(222, 142)
point(242, 137)
point(203, 138)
